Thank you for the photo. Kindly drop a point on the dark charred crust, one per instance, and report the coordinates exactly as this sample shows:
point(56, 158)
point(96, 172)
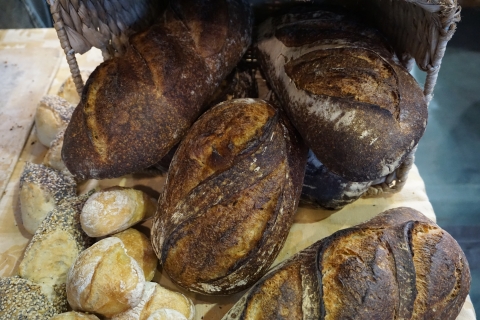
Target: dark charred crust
point(241, 179)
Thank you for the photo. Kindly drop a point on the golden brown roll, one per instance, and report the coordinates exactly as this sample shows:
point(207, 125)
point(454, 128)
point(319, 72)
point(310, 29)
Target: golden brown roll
point(155, 298)
point(139, 247)
point(135, 108)
point(341, 85)
point(231, 192)
point(399, 265)
point(105, 279)
point(73, 315)
point(115, 209)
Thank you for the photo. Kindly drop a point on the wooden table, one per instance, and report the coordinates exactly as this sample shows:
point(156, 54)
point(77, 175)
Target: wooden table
point(32, 64)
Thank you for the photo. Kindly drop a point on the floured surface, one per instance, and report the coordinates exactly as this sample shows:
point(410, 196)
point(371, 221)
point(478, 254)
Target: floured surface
point(25, 78)
point(310, 225)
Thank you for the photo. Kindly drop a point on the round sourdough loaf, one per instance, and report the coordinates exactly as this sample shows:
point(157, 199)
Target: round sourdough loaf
point(356, 107)
point(231, 192)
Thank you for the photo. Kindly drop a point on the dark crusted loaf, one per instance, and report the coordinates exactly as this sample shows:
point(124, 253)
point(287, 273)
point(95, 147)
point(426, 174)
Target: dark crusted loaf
point(399, 265)
point(231, 192)
point(355, 106)
point(135, 108)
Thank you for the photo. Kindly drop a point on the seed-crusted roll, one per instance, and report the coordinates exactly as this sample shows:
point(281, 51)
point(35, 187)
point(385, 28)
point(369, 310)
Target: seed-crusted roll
point(341, 85)
point(26, 300)
point(155, 297)
point(55, 245)
point(52, 115)
point(41, 190)
point(115, 209)
point(398, 265)
point(73, 315)
point(231, 192)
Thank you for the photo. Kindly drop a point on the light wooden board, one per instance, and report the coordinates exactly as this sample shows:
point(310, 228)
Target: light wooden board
point(24, 78)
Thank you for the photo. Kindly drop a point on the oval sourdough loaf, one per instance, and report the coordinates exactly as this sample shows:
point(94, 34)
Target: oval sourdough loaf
point(135, 108)
point(399, 265)
point(231, 192)
point(356, 107)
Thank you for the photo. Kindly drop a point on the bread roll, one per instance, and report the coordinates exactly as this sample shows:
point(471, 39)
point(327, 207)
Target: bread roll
point(341, 85)
point(115, 209)
point(72, 315)
point(55, 245)
point(135, 108)
point(52, 115)
point(323, 188)
point(166, 314)
point(26, 300)
point(41, 190)
point(155, 298)
point(105, 279)
point(399, 265)
point(138, 247)
point(53, 157)
point(68, 90)
point(228, 203)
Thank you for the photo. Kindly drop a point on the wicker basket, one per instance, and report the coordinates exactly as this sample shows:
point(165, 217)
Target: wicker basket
point(419, 31)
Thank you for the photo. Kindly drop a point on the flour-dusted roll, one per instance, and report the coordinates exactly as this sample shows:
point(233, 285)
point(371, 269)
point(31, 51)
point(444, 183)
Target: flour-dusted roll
point(231, 192)
point(155, 298)
point(41, 190)
point(27, 300)
point(398, 265)
point(139, 247)
point(355, 106)
point(115, 209)
point(166, 314)
point(135, 108)
point(105, 279)
point(52, 116)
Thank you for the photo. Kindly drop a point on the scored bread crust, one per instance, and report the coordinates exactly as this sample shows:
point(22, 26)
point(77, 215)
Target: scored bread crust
point(135, 108)
point(399, 265)
point(355, 106)
point(231, 192)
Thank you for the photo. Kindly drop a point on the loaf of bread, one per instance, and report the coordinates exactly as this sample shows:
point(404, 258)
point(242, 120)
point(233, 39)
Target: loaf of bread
point(399, 265)
point(325, 189)
point(52, 115)
point(26, 300)
point(139, 247)
point(341, 85)
point(55, 245)
point(105, 280)
point(115, 209)
point(231, 192)
point(135, 108)
point(73, 315)
point(155, 298)
point(41, 190)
